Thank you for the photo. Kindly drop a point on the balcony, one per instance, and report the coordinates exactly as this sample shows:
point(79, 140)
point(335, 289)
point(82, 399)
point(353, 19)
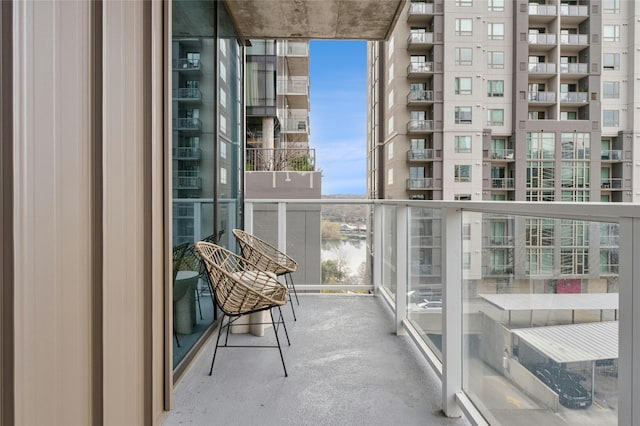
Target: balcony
point(574, 69)
point(419, 183)
point(296, 90)
point(502, 154)
point(420, 126)
point(187, 65)
point(488, 290)
point(420, 69)
point(542, 98)
point(574, 40)
point(185, 94)
point(611, 155)
point(420, 155)
point(542, 41)
point(187, 124)
point(187, 153)
point(542, 69)
point(420, 12)
point(536, 9)
point(611, 183)
point(187, 182)
point(578, 12)
point(574, 97)
point(417, 41)
point(421, 97)
point(503, 183)
point(280, 159)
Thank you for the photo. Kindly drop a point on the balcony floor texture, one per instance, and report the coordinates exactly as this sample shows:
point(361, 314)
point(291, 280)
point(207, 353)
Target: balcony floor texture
point(346, 367)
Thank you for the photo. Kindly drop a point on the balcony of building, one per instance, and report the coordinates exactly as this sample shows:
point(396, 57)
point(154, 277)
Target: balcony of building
point(280, 159)
point(187, 95)
point(574, 70)
point(419, 97)
point(420, 69)
point(189, 66)
point(572, 43)
point(574, 97)
point(361, 357)
point(294, 56)
point(417, 155)
point(542, 13)
point(502, 154)
point(503, 183)
point(420, 12)
point(187, 180)
point(187, 124)
point(611, 155)
point(611, 184)
point(295, 90)
point(419, 183)
point(419, 126)
point(542, 69)
point(187, 153)
point(542, 98)
point(573, 13)
point(541, 42)
point(419, 41)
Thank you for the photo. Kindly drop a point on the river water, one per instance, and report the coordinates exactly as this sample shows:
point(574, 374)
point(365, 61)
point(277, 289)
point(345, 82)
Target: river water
point(351, 251)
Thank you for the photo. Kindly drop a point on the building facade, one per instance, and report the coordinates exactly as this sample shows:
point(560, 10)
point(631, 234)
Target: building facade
point(510, 101)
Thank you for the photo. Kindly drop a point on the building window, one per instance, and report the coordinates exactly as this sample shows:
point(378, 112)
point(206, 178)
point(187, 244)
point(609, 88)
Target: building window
point(540, 175)
point(495, 31)
point(498, 197)
point(390, 177)
point(611, 61)
point(390, 125)
point(539, 261)
point(464, 3)
point(466, 260)
point(495, 117)
point(495, 88)
point(390, 151)
point(611, 90)
point(462, 144)
point(536, 115)
point(495, 59)
point(575, 174)
point(574, 261)
point(496, 5)
point(463, 85)
point(568, 115)
point(610, 6)
point(464, 56)
point(611, 33)
point(466, 231)
point(540, 145)
point(575, 146)
point(463, 115)
point(464, 26)
point(462, 173)
point(610, 118)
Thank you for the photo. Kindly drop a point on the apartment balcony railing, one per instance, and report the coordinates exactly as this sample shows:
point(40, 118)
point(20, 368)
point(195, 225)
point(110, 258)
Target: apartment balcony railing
point(420, 154)
point(485, 335)
point(545, 68)
point(187, 153)
point(293, 125)
point(419, 9)
point(292, 48)
point(502, 154)
point(503, 183)
point(545, 97)
point(294, 86)
point(542, 39)
point(187, 93)
point(425, 241)
point(419, 68)
point(419, 183)
point(417, 126)
point(574, 10)
point(574, 97)
point(574, 68)
point(280, 159)
point(575, 39)
point(187, 124)
point(182, 182)
point(420, 39)
point(421, 96)
point(611, 183)
point(542, 9)
point(184, 64)
point(611, 155)
point(500, 240)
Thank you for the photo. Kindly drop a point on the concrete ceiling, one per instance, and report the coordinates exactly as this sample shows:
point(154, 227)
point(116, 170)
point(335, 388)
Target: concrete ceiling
point(315, 19)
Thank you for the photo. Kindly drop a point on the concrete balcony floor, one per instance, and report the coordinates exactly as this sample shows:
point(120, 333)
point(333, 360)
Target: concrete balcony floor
point(346, 367)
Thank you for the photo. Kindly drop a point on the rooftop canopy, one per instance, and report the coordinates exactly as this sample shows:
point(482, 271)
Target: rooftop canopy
point(552, 301)
point(574, 343)
point(315, 19)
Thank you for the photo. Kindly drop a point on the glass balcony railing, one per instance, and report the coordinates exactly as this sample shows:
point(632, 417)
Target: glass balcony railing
point(184, 64)
point(420, 68)
point(542, 68)
point(420, 39)
point(574, 10)
point(574, 68)
point(542, 96)
point(502, 154)
point(187, 93)
point(611, 183)
point(419, 183)
point(612, 154)
point(295, 86)
point(502, 183)
point(516, 292)
point(420, 8)
point(187, 124)
point(575, 97)
point(542, 9)
point(419, 125)
point(545, 39)
point(420, 154)
point(292, 48)
point(187, 153)
point(420, 96)
point(578, 39)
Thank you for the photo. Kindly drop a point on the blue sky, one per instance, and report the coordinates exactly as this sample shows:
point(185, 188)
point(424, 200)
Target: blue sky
point(338, 72)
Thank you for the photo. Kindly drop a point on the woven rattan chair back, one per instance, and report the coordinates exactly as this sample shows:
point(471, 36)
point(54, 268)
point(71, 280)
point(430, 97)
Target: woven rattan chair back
point(265, 256)
point(240, 287)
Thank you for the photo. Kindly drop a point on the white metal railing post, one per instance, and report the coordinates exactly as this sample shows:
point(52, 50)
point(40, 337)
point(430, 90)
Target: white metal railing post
point(629, 336)
point(452, 317)
point(248, 217)
point(378, 222)
point(401, 267)
point(282, 227)
point(197, 221)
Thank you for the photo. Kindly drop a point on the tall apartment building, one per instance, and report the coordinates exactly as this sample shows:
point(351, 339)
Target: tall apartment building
point(510, 100)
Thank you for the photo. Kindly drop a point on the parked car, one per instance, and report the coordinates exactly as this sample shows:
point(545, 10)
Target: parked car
point(566, 384)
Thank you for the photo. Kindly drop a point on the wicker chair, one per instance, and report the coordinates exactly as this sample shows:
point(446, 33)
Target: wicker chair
point(241, 289)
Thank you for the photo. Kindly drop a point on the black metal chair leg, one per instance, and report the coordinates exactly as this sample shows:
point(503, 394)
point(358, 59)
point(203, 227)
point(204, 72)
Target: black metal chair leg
point(217, 343)
point(291, 285)
point(292, 309)
point(278, 341)
point(284, 325)
point(198, 298)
